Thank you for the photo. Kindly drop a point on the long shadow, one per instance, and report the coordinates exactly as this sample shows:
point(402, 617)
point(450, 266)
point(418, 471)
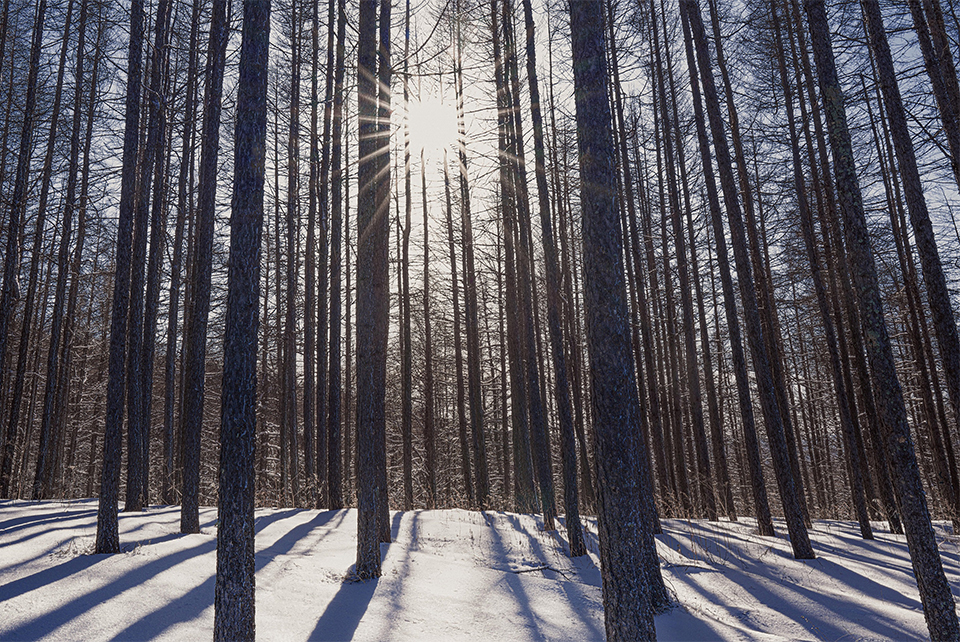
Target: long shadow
point(343, 614)
point(47, 531)
point(746, 572)
point(182, 609)
point(400, 569)
point(27, 521)
point(47, 576)
point(264, 521)
point(126, 544)
point(291, 537)
point(46, 623)
point(395, 525)
point(514, 583)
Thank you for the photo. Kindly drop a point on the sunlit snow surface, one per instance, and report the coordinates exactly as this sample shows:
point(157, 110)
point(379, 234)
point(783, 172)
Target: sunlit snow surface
point(447, 575)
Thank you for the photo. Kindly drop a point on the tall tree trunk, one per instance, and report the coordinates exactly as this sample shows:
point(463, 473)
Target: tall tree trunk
point(407, 409)
point(540, 450)
point(942, 311)
point(762, 283)
point(289, 390)
point(481, 482)
point(196, 339)
point(314, 358)
point(628, 612)
point(372, 309)
point(772, 417)
point(562, 396)
point(234, 589)
point(947, 108)
point(458, 357)
point(382, 287)
point(10, 286)
point(108, 535)
point(571, 345)
point(158, 226)
point(807, 231)
point(45, 455)
point(843, 293)
point(936, 599)
point(334, 476)
point(706, 492)
point(176, 266)
point(430, 456)
point(524, 495)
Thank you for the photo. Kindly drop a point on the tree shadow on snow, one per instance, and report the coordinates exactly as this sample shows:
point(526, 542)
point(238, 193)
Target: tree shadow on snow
point(289, 539)
point(46, 623)
point(344, 612)
point(10, 526)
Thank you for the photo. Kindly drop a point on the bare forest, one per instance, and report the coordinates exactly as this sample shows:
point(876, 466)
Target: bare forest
point(609, 263)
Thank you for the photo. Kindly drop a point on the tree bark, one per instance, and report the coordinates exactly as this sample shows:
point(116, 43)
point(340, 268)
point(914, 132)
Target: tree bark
point(772, 417)
point(936, 599)
point(234, 588)
point(108, 535)
point(628, 613)
point(196, 339)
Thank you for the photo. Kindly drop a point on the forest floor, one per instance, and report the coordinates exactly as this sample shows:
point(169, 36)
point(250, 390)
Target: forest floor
point(447, 575)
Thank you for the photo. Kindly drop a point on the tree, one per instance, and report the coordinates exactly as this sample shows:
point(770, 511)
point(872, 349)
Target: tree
point(561, 388)
point(941, 78)
point(807, 231)
point(176, 266)
point(942, 311)
point(195, 363)
point(47, 447)
point(373, 235)
point(333, 453)
point(627, 608)
point(289, 392)
point(936, 599)
point(234, 589)
point(769, 401)
point(9, 288)
point(471, 324)
point(108, 535)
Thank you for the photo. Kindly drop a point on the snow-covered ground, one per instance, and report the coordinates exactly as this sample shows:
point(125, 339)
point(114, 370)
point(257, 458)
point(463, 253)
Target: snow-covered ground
point(448, 575)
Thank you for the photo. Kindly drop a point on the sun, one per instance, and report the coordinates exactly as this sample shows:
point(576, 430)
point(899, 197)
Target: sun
point(433, 125)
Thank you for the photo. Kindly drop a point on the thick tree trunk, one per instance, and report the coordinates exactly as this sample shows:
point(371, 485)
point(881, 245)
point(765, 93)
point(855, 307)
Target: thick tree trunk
point(234, 589)
point(938, 604)
point(372, 309)
point(627, 604)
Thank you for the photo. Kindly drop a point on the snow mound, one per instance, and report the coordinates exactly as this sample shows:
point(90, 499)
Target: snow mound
point(447, 575)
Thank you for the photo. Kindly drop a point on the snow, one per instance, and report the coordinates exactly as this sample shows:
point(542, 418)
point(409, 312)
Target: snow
point(447, 575)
